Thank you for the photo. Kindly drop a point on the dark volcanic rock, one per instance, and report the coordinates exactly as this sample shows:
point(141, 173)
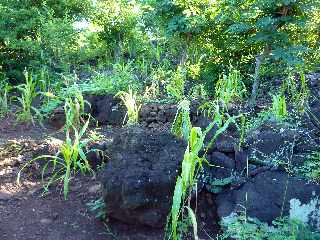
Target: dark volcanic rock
point(107, 109)
point(265, 142)
point(241, 157)
point(140, 174)
point(226, 144)
point(222, 167)
point(266, 193)
point(280, 143)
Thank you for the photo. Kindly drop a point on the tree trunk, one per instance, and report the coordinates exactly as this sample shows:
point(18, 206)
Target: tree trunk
point(117, 49)
point(256, 80)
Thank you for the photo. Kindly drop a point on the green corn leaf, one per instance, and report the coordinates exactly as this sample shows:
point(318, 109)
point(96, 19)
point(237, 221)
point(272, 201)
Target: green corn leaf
point(176, 204)
point(194, 223)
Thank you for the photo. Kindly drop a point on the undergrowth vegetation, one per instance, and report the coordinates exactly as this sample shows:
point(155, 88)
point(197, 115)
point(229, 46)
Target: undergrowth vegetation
point(294, 226)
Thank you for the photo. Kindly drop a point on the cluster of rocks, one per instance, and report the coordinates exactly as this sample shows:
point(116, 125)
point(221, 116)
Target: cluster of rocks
point(139, 177)
point(156, 115)
point(108, 110)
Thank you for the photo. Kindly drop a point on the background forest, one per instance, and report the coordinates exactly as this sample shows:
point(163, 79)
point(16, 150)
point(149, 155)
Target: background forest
point(179, 48)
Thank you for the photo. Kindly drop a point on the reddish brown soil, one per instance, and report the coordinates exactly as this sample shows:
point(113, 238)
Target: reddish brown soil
point(25, 214)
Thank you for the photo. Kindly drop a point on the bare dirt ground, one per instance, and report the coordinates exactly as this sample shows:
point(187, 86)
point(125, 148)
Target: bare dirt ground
point(27, 214)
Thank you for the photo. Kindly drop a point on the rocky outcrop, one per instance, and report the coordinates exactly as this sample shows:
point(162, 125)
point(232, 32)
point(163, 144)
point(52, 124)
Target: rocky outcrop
point(140, 174)
point(266, 196)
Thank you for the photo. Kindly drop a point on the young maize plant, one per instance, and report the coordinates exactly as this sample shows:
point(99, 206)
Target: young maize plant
point(129, 99)
point(70, 158)
point(279, 107)
point(191, 165)
point(28, 93)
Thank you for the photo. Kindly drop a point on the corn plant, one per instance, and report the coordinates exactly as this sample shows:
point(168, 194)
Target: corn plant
point(129, 99)
point(213, 110)
point(28, 93)
point(70, 159)
point(191, 165)
point(230, 88)
point(185, 182)
point(279, 107)
point(298, 92)
point(182, 124)
point(176, 86)
point(74, 110)
point(5, 89)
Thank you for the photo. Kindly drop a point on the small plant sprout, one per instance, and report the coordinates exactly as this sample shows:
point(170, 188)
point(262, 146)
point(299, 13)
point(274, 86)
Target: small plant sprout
point(297, 90)
point(98, 206)
point(74, 110)
point(182, 124)
point(70, 159)
point(5, 89)
point(176, 86)
point(28, 94)
point(129, 99)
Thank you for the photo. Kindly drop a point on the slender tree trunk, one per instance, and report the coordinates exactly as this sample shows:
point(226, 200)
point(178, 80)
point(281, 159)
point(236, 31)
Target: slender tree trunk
point(256, 79)
point(117, 50)
point(185, 56)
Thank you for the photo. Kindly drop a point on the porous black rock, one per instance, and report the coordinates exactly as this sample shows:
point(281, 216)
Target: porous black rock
point(266, 196)
point(140, 174)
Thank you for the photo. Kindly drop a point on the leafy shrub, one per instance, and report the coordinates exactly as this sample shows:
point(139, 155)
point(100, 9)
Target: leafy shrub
point(118, 79)
point(33, 33)
point(119, 23)
point(311, 167)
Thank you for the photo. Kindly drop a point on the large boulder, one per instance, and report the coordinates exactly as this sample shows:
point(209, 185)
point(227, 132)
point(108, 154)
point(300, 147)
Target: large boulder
point(266, 196)
point(140, 174)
